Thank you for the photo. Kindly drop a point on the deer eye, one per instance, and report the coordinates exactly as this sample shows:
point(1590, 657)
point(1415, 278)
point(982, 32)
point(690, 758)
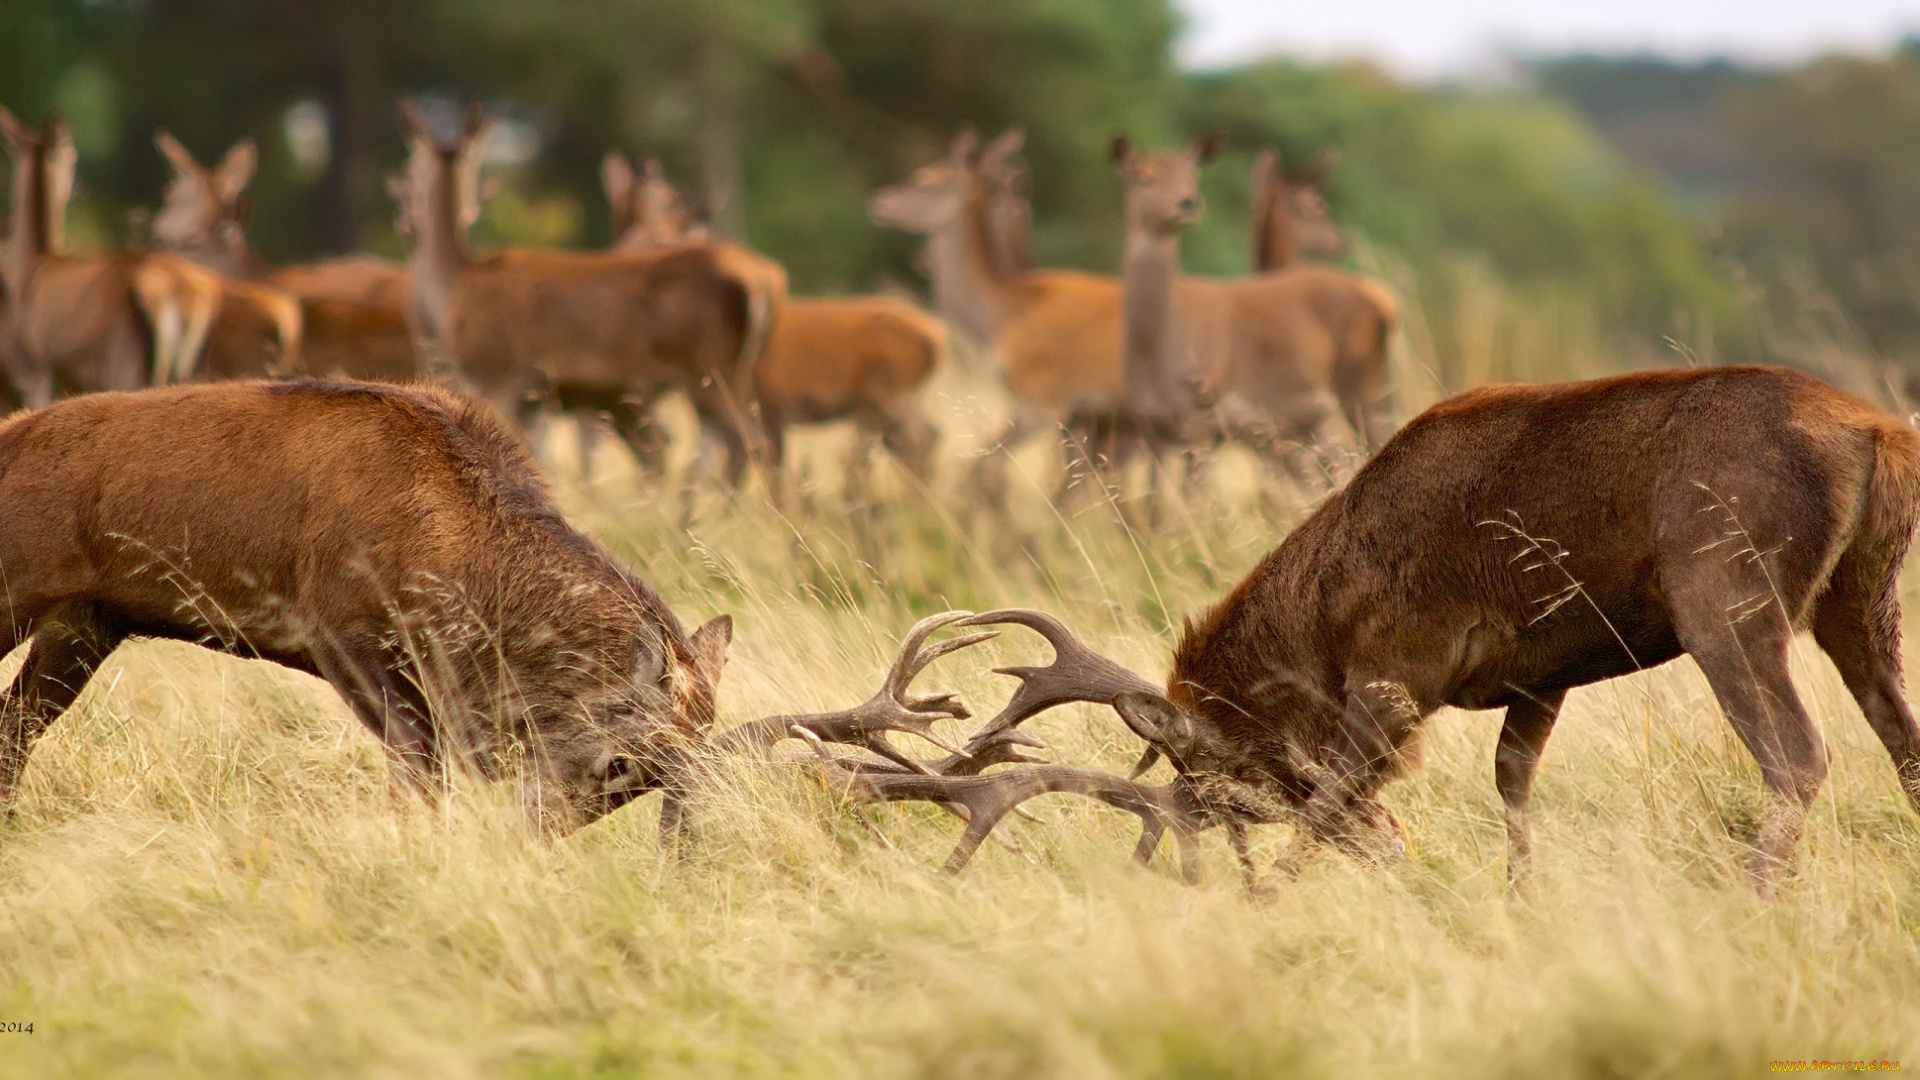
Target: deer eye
point(621, 768)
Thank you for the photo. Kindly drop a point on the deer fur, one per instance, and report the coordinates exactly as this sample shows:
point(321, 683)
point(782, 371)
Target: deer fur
point(1514, 542)
point(524, 326)
point(82, 323)
point(863, 358)
point(352, 316)
point(395, 542)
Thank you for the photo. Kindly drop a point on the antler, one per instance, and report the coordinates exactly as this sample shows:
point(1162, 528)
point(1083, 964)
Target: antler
point(892, 709)
point(1076, 674)
point(987, 799)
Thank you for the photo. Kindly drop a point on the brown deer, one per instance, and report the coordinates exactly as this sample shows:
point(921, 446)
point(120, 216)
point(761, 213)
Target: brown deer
point(78, 324)
point(393, 541)
point(1290, 217)
point(1513, 542)
point(864, 358)
point(356, 328)
point(604, 329)
point(1265, 360)
point(1054, 334)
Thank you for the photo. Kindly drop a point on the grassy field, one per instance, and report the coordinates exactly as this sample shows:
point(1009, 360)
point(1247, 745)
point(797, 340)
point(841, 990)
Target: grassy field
point(207, 874)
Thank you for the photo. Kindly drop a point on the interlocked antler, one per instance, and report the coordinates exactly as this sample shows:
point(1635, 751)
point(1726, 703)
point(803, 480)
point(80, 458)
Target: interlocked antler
point(892, 709)
point(1076, 674)
point(984, 800)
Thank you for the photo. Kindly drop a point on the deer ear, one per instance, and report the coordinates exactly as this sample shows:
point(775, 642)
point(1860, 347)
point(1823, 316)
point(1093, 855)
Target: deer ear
point(1156, 720)
point(176, 154)
point(616, 177)
point(413, 122)
point(709, 644)
point(1320, 169)
point(236, 169)
point(12, 128)
point(1000, 149)
point(1208, 146)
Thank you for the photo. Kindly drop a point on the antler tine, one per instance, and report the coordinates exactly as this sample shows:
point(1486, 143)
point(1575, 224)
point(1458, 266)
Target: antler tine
point(1076, 674)
point(892, 709)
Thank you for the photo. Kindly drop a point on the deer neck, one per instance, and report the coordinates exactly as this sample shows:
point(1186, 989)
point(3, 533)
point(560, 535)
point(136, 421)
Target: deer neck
point(1151, 266)
point(440, 253)
point(970, 287)
point(34, 233)
point(1277, 245)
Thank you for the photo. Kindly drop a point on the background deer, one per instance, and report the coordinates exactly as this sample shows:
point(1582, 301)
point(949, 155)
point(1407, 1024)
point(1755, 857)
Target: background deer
point(1514, 542)
point(862, 358)
point(602, 328)
point(395, 542)
point(1290, 217)
point(78, 324)
point(1054, 334)
point(353, 318)
point(1264, 360)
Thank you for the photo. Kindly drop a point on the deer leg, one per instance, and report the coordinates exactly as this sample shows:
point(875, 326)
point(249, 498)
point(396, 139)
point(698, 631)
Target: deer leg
point(643, 436)
point(1866, 649)
point(1745, 662)
point(375, 685)
point(1522, 739)
point(69, 645)
point(911, 439)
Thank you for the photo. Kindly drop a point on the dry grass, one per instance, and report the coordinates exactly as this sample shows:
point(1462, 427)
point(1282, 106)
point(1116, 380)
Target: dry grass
point(208, 876)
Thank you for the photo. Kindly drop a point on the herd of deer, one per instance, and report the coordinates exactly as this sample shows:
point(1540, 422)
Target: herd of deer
point(1505, 546)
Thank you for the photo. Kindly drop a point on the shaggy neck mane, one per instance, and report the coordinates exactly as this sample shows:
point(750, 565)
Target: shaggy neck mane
point(1264, 638)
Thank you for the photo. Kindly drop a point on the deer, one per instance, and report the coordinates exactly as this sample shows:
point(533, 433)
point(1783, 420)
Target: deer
point(1514, 542)
point(1265, 360)
point(1290, 217)
point(864, 358)
point(394, 541)
point(599, 329)
point(352, 315)
point(83, 323)
point(1054, 334)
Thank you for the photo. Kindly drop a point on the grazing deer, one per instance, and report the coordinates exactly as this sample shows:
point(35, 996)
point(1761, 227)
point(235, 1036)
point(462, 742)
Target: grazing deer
point(79, 324)
point(393, 541)
point(353, 313)
point(864, 358)
point(1513, 542)
point(1290, 217)
point(524, 326)
point(1265, 360)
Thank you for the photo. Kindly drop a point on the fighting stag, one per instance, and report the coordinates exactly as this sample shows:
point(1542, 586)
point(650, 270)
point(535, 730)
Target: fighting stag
point(395, 542)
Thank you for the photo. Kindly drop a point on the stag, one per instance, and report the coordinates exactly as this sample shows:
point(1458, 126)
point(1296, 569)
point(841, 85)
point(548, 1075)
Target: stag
point(353, 318)
point(1264, 360)
point(1514, 542)
point(77, 324)
point(863, 358)
point(395, 542)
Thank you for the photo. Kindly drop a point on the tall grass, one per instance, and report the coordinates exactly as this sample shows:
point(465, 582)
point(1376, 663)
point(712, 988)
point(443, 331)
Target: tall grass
point(208, 874)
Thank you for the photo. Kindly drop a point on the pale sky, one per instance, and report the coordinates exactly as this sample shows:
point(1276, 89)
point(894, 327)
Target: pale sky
point(1439, 38)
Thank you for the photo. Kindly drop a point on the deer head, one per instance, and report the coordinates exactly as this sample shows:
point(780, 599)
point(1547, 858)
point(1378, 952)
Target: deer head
point(1163, 187)
point(647, 210)
point(933, 198)
point(204, 211)
point(640, 734)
